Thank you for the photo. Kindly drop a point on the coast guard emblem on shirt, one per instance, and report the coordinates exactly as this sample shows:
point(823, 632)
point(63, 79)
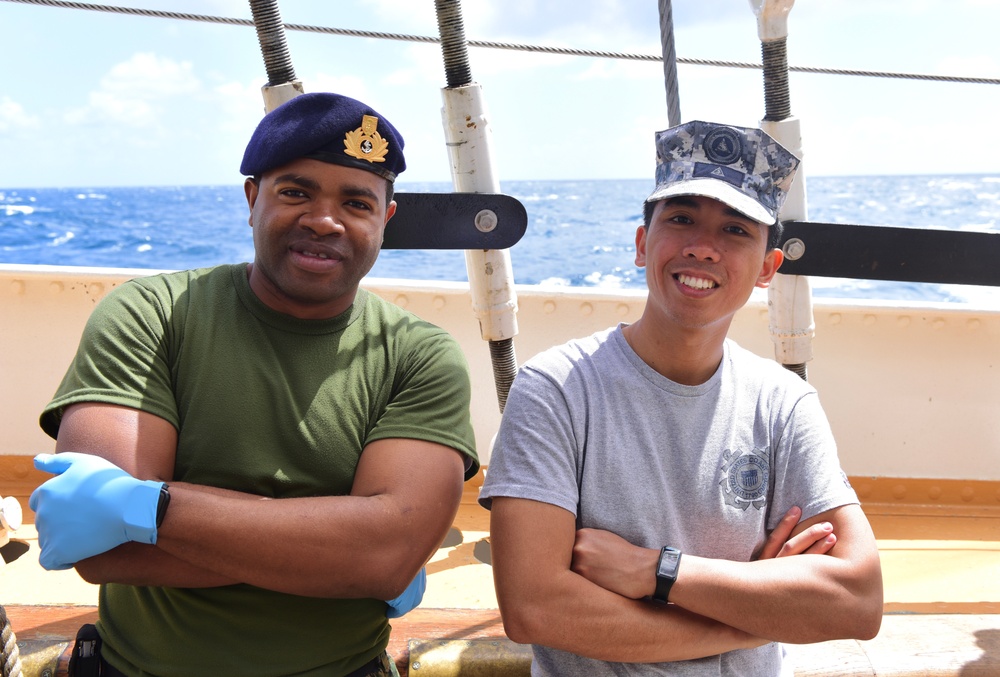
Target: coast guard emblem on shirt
point(365, 143)
point(744, 478)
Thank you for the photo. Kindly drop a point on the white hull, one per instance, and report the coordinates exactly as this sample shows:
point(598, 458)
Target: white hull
point(912, 390)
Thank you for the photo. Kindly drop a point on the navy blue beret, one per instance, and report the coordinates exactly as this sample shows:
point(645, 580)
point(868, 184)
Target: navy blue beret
point(328, 127)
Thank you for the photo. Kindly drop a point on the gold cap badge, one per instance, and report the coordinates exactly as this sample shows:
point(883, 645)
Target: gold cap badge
point(365, 143)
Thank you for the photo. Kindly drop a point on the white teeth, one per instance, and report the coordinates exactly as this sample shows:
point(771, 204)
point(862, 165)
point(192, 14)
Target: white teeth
point(321, 255)
point(696, 282)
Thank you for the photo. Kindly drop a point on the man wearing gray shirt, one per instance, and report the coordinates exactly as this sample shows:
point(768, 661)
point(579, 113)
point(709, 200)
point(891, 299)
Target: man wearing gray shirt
point(663, 501)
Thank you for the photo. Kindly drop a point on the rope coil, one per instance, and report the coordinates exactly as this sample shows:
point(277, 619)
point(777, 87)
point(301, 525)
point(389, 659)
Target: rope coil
point(10, 658)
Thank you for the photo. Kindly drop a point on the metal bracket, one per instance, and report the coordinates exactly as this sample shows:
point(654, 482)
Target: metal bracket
point(455, 221)
point(888, 253)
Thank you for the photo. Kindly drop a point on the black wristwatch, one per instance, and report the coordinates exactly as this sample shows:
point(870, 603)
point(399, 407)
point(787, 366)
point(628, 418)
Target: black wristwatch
point(666, 573)
point(161, 505)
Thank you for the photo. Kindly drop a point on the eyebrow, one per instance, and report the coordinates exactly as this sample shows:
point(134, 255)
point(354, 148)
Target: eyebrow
point(297, 180)
point(311, 184)
point(691, 203)
point(360, 191)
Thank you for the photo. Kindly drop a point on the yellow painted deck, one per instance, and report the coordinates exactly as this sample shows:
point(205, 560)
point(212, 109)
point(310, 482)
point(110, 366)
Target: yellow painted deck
point(939, 543)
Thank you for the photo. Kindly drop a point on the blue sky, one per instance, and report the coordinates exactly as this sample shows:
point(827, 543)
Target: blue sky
point(95, 99)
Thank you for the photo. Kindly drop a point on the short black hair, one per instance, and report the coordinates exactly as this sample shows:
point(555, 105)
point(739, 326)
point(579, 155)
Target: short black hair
point(774, 230)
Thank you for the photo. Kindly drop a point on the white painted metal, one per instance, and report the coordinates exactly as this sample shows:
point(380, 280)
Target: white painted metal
point(468, 137)
point(790, 296)
point(10, 520)
point(792, 326)
point(772, 18)
point(275, 95)
point(912, 390)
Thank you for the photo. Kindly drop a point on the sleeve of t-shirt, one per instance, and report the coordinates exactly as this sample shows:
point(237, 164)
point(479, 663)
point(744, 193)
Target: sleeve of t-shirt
point(431, 398)
point(808, 472)
point(534, 455)
point(122, 359)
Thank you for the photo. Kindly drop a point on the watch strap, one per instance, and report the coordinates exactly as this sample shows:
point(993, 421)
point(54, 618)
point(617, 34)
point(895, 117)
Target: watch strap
point(162, 503)
point(665, 579)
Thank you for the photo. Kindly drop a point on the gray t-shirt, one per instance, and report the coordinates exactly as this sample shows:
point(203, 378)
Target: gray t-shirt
point(709, 469)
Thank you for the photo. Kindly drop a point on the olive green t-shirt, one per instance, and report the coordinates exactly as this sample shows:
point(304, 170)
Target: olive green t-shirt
point(267, 404)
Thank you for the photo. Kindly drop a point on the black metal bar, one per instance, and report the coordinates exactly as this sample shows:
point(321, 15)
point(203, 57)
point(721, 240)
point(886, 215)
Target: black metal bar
point(449, 221)
point(887, 253)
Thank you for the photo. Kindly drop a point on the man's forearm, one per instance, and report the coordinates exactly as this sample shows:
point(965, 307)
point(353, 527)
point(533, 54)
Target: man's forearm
point(802, 599)
point(139, 564)
point(330, 546)
point(823, 583)
point(580, 617)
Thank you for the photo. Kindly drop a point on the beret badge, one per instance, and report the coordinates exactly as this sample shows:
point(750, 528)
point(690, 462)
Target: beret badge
point(365, 143)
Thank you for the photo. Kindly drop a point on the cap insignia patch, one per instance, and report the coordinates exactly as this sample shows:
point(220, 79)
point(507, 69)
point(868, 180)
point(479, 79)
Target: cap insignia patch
point(723, 146)
point(364, 143)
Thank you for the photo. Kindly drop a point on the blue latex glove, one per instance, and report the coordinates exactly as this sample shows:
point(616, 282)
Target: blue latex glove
point(410, 599)
point(89, 507)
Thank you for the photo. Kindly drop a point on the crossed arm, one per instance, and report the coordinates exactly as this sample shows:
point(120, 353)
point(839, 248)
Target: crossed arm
point(370, 543)
point(582, 591)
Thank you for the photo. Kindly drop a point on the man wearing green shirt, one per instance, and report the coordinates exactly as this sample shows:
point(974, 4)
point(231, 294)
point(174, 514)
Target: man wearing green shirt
point(262, 454)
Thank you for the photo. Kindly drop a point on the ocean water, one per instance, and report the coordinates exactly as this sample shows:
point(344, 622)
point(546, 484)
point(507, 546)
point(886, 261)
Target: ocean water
point(580, 233)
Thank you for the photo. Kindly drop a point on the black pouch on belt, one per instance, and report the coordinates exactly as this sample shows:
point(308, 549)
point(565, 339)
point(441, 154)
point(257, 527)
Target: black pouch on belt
point(85, 661)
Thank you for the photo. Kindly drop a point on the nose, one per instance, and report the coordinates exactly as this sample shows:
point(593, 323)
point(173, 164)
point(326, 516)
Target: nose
point(322, 220)
point(702, 246)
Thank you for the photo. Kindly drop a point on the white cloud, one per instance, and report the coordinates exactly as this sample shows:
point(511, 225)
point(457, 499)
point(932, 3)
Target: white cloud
point(982, 66)
point(13, 116)
point(131, 92)
point(151, 76)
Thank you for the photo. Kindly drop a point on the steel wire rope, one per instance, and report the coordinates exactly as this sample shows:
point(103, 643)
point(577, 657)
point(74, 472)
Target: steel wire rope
point(542, 49)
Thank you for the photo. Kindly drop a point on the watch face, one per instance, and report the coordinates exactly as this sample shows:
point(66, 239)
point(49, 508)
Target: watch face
point(668, 563)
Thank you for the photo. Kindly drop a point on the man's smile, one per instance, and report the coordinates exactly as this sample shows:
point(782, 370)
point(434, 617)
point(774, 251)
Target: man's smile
point(695, 282)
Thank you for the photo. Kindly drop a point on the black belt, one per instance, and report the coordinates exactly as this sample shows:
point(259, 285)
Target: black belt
point(376, 666)
point(108, 670)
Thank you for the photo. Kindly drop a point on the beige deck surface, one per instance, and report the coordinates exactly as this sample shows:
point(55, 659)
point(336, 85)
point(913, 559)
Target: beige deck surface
point(932, 563)
point(940, 568)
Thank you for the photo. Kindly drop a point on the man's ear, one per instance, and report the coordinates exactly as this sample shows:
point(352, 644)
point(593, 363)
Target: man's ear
point(772, 261)
point(250, 188)
point(640, 246)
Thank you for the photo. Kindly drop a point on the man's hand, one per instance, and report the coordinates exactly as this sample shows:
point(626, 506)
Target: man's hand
point(615, 564)
point(411, 597)
point(90, 507)
point(818, 539)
